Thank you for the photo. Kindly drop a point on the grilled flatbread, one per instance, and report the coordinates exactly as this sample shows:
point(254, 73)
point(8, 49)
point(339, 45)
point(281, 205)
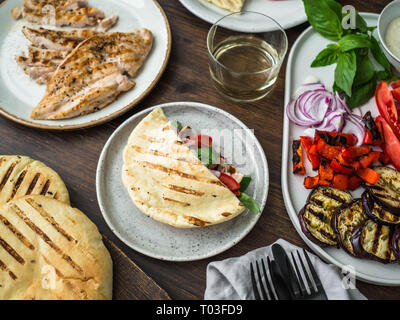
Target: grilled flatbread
point(20, 176)
point(167, 181)
point(49, 250)
point(231, 5)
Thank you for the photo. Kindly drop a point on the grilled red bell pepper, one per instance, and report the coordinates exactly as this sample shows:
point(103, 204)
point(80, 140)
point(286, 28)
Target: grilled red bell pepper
point(341, 168)
point(340, 181)
point(311, 151)
point(372, 135)
point(368, 175)
point(311, 182)
point(298, 166)
point(327, 151)
point(336, 138)
point(353, 153)
point(369, 159)
point(384, 158)
point(354, 182)
point(326, 173)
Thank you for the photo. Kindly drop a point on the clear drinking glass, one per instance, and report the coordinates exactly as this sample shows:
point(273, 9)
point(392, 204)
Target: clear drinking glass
point(244, 65)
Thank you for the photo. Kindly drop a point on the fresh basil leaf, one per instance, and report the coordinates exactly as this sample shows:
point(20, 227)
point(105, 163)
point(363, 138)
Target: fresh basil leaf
point(345, 71)
point(335, 7)
point(327, 56)
point(365, 70)
point(206, 155)
point(249, 202)
point(361, 94)
point(244, 183)
point(354, 41)
point(177, 125)
point(379, 55)
point(361, 24)
point(323, 19)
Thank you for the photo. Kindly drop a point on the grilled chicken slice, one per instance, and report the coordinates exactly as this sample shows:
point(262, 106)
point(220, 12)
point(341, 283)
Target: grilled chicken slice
point(47, 39)
point(107, 23)
point(73, 13)
point(92, 75)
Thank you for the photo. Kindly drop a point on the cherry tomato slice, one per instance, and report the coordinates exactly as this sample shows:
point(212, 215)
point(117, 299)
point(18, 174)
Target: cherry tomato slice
point(387, 108)
point(227, 180)
point(396, 93)
point(392, 144)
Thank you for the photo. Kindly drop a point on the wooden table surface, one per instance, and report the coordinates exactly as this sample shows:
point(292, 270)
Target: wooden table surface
point(75, 154)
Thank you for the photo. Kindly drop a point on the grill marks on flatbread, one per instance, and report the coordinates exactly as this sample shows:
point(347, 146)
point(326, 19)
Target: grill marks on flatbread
point(20, 176)
point(36, 231)
point(167, 182)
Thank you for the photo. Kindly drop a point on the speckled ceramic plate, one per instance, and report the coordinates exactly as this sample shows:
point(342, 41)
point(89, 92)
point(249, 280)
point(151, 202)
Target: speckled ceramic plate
point(19, 94)
point(162, 241)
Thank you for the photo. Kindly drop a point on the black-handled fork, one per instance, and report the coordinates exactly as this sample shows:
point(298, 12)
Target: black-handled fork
point(265, 292)
point(312, 293)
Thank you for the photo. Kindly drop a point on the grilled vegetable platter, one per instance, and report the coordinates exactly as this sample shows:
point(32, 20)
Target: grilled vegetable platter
point(341, 154)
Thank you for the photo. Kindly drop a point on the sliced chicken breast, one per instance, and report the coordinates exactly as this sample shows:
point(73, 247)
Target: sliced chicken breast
point(93, 74)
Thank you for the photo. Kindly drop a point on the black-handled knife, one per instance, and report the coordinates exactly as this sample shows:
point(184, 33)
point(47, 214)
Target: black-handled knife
point(286, 270)
point(281, 290)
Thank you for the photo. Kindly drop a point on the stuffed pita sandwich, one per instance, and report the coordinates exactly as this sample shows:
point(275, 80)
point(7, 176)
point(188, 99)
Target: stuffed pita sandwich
point(167, 179)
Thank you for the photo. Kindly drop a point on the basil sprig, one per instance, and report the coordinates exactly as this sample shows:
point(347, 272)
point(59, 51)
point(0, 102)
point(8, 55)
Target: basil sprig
point(356, 77)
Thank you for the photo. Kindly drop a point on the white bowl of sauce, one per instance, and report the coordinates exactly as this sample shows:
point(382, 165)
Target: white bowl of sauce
point(389, 33)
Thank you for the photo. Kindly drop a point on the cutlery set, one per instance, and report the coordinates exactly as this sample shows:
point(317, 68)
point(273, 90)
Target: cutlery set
point(286, 278)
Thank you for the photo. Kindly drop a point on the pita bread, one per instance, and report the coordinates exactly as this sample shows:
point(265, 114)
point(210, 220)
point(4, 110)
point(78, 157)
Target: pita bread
point(49, 250)
point(231, 5)
point(167, 181)
point(20, 176)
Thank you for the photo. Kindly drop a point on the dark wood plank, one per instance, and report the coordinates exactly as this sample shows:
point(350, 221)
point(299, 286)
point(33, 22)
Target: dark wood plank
point(130, 282)
point(75, 154)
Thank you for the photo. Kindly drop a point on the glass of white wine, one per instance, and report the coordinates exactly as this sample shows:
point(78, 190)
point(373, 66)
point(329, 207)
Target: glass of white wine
point(244, 65)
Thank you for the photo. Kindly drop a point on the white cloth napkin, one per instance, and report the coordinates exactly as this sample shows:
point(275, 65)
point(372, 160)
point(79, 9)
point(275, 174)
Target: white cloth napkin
point(230, 279)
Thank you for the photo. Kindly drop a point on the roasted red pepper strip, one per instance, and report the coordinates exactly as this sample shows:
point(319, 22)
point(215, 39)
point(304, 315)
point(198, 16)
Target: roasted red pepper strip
point(311, 182)
point(336, 138)
point(372, 135)
point(327, 151)
point(354, 182)
point(395, 84)
point(368, 175)
point(384, 158)
point(340, 181)
point(311, 151)
point(326, 173)
point(341, 168)
point(369, 159)
point(353, 153)
point(298, 166)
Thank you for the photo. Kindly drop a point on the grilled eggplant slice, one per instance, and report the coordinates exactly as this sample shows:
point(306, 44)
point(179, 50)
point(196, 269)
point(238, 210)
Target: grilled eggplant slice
point(386, 192)
point(374, 241)
point(396, 244)
point(315, 218)
point(346, 219)
point(378, 213)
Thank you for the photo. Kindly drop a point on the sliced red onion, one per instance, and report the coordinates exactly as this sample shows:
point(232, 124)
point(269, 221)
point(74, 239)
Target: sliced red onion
point(315, 107)
point(355, 126)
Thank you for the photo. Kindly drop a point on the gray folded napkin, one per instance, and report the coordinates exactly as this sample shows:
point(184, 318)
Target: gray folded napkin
point(230, 279)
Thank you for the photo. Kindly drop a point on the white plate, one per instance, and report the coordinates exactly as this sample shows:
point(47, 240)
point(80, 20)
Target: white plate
point(163, 241)
point(19, 94)
point(302, 54)
point(287, 13)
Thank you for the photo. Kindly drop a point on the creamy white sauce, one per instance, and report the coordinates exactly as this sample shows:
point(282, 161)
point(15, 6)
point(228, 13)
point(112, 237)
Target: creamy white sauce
point(392, 37)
